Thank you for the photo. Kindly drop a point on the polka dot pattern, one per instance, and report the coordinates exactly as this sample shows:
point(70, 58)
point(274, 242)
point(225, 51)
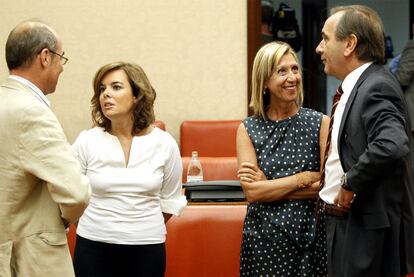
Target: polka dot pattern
point(279, 238)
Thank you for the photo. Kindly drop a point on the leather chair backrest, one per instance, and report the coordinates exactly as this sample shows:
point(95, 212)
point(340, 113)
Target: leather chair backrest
point(214, 138)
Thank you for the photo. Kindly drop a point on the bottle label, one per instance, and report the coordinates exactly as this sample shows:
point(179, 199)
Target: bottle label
point(197, 178)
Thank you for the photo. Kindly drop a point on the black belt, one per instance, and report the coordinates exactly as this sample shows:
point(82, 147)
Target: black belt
point(334, 210)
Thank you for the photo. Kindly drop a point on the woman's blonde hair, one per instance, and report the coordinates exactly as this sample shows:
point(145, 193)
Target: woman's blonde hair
point(265, 63)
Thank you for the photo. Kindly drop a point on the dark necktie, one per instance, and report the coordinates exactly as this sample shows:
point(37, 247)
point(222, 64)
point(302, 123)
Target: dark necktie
point(335, 102)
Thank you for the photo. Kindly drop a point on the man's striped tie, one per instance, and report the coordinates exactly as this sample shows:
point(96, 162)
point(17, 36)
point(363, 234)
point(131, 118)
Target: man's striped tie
point(336, 98)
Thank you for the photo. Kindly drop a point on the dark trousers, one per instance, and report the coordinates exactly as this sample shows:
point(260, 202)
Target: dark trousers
point(368, 253)
point(94, 258)
point(335, 232)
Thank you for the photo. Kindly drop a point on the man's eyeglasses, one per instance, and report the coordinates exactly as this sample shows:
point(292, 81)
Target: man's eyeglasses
point(63, 59)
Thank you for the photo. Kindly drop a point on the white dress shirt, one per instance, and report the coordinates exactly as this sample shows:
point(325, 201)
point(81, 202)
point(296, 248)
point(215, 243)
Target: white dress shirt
point(127, 202)
point(333, 167)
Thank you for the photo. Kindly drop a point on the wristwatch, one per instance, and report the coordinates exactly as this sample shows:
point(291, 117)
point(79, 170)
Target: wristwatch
point(344, 183)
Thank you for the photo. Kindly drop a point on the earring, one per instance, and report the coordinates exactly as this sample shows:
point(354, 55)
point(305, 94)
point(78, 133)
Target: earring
point(265, 91)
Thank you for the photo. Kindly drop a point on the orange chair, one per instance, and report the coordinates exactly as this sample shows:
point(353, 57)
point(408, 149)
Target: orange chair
point(71, 237)
point(205, 240)
point(160, 124)
point(214, 168)
point(215, 138)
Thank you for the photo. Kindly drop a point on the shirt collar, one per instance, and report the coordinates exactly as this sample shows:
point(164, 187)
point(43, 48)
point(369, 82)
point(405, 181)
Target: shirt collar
point(351, 79)
point(33, 89)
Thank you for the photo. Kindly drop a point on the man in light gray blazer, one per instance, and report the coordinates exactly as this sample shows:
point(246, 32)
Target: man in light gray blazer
point(41, 186)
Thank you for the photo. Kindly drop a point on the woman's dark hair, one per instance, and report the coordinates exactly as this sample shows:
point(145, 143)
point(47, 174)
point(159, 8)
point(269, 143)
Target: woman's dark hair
point(143, 111)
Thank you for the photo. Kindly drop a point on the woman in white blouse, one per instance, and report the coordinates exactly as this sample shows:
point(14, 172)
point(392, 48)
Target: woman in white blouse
point(135, 171)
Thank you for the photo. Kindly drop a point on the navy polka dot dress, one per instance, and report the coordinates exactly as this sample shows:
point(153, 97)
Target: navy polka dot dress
point(279, 238)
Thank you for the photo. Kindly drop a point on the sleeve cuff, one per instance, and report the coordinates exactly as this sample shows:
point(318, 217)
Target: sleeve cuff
point(173, 206)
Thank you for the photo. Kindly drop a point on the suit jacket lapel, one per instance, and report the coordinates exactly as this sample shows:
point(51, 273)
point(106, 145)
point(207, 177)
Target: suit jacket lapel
point(362, 78)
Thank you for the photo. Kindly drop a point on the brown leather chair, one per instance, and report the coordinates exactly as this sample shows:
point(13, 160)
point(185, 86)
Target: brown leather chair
point(205, 241)
point(214, 168)
point(214, 138)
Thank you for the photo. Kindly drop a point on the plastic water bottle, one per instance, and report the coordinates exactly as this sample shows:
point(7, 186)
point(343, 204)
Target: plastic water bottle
point(194, 170)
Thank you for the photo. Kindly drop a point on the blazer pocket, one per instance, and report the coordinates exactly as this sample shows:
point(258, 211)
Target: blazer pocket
point(375, 221)
point(53, 238)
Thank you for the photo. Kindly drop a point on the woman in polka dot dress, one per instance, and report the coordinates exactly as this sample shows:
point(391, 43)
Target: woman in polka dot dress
point(279, 152)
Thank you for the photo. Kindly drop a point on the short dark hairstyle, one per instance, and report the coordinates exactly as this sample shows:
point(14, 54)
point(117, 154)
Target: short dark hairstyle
point(143, 113)
point(367, 26)
point(27, 40)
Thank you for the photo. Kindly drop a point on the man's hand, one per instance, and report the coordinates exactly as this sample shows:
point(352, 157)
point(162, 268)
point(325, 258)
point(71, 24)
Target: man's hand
point(344, 198)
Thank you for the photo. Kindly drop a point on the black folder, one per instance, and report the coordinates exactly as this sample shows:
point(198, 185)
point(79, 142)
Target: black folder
point(214, 191)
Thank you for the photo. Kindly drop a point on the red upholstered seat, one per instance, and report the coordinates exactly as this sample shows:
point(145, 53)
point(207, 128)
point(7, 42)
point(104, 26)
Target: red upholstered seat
point(214, 138)
point(71, 236)
point(205, 241)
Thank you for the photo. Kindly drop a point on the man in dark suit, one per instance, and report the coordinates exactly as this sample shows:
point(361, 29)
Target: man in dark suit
point(367, 193)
